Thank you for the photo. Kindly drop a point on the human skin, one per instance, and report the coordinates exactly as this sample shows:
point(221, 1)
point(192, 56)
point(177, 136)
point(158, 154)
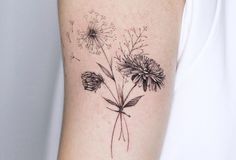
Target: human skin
point(90, 130)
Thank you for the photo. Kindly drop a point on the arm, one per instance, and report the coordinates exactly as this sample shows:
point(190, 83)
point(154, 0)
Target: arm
point(120, 60)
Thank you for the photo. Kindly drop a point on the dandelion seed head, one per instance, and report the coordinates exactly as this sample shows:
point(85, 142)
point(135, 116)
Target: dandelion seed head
point(98, 34)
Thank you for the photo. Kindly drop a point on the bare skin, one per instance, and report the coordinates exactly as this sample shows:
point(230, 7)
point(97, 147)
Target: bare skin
point(119, 60)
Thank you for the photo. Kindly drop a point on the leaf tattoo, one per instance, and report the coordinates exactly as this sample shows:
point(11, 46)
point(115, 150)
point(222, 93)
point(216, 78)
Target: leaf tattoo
point(133, 102)
point(132, 63)
point(111, 102)
point(106, 71)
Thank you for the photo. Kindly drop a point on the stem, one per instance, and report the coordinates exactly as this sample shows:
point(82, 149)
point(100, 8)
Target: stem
point(121, 128)
point(127, 130)
point(110, 65)
point(110, 91)
point(120, 112)
point(129, 93)
point(104, 53)
point(112, 136)
point(112, 109)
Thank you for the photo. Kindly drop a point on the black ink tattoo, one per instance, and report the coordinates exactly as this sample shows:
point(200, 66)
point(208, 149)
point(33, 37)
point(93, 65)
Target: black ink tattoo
point(73, 57)
point(134, 41)
point(70, 38)
point(98, 34)
point(132, 63)
point(92, 81)
point(144, 72)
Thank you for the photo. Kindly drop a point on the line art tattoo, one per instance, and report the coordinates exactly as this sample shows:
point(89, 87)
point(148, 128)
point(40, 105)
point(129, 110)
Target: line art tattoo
point(131, 62)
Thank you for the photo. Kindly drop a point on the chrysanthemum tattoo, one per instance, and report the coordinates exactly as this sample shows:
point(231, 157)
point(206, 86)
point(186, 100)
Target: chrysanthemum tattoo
point(131, 63)
point(144, 72)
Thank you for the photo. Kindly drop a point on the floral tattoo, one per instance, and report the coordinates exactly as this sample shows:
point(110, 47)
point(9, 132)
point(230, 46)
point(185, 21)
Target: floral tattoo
point(132, 63)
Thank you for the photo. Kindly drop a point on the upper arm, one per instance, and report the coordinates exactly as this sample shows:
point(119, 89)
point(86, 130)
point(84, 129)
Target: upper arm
point(120, 60)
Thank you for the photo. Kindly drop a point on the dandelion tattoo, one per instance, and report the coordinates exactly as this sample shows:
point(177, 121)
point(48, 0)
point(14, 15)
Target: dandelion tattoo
point(132, 63)
point(98, 35)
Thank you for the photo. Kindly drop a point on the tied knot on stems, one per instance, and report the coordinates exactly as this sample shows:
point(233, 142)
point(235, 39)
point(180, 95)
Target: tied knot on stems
point(120, 111)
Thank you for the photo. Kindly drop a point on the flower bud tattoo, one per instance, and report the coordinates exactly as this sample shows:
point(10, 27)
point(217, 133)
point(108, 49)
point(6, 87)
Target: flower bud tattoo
point(91, 81)
point(131, 62)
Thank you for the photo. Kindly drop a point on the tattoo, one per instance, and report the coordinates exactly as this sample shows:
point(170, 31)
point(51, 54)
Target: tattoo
point(135, 41)
point(131, 62)
point(74, 58)
point(98, 34)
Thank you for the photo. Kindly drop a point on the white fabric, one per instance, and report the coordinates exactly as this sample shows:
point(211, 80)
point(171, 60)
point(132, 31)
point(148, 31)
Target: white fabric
point(202, 123)
point(203, 118)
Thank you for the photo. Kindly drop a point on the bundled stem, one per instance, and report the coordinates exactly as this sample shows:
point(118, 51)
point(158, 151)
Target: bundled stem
point(110, 65)
point(120, 101)
point(121, 128)
point(112, 136)
point(121, 118)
